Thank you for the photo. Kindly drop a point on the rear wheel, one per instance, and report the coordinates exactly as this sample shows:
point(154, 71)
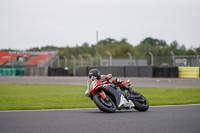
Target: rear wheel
point(106, 105)
point(141, 103)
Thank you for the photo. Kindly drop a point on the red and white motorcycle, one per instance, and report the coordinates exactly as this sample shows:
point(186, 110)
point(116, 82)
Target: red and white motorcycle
point(109, 97)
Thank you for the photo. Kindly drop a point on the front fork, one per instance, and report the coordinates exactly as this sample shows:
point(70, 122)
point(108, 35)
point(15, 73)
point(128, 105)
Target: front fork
point(103, 95)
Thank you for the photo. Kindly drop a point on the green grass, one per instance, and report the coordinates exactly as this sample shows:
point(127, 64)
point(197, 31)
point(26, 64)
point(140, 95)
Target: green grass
point(31, 97)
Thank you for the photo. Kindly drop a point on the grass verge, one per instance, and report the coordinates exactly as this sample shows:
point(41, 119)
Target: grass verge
point(31, 97)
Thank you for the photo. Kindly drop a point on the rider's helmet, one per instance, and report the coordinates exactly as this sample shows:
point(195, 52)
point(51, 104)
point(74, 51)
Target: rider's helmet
point(96, 73)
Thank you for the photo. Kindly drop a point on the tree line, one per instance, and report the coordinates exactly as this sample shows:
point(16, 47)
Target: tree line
point(121, 48)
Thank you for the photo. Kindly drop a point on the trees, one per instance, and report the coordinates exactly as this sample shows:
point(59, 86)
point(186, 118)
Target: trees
point(120, 48)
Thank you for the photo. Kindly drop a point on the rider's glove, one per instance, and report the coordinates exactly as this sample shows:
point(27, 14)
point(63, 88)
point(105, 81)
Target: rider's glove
point(109, 76)
point(118, 80)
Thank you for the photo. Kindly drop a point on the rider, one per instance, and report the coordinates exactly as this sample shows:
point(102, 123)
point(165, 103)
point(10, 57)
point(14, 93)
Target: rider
point(105, 78)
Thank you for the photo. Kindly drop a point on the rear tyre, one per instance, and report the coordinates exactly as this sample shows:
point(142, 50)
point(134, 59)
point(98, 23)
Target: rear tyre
point(104, 105)
point(141, 103)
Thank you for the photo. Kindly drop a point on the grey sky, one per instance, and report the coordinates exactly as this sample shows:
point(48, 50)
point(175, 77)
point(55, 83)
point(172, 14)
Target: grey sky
point(35, 23)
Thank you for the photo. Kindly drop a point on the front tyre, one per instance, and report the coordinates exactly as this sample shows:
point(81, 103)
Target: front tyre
point(104, 105)
point(141, 103)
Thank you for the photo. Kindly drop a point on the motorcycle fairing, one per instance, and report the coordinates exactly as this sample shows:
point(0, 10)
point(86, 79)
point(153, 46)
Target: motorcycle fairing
point(125, 103)
point(120, 100)
point(108, 88)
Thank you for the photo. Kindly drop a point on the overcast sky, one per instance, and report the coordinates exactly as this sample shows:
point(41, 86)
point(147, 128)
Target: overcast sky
point(35, 23)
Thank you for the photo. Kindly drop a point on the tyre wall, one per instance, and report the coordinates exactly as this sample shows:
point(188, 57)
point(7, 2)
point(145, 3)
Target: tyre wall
point(57, 72)
point(127, 71)
point(133, 71)
point(188, 72)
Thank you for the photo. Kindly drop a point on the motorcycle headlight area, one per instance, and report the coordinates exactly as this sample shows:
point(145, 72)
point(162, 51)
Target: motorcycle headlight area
point(93, 85)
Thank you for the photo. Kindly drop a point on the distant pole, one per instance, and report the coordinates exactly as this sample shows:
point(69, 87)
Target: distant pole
point(110, 58)
point(74, 65)
point(151, 58)
point(100, 59)
point(13, 63)
point(97, 40)
point(81, 57)
point(91, 60)
point(97, 37)
point(197, 57)
point(58, 61)
point(130, 58)
point(173, 57)
point(65, 61)
point(52, 62)
point(37, 61)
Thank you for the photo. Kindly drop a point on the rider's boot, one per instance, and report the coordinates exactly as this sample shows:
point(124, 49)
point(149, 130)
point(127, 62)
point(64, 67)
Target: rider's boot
point(131, 91)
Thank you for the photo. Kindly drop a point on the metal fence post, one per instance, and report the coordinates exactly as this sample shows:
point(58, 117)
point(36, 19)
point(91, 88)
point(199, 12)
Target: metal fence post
point(91, 60)
point(65, 61)
point(58, 61)
point(197, 57)
point(173, 58)
point(74, 65)
point(52, 60)
point(81, 57)
point(110, 58)
point(100, 59)
point(151, 58)
point(130, 58)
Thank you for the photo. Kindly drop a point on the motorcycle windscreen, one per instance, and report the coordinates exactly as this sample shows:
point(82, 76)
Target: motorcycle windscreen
point(87, 92)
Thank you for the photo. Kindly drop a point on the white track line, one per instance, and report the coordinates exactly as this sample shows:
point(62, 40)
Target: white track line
point(47, 110)
point(163, 106)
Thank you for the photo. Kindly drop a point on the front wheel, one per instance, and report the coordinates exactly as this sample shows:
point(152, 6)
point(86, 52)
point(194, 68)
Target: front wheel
point(106, 105)
point(141, 103)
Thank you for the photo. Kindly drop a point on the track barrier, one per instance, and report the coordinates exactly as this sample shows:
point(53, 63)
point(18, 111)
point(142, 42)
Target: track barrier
point(133, 71)
point(11, 71)
point(59, 71)
point(188, 72)
point(127, 71)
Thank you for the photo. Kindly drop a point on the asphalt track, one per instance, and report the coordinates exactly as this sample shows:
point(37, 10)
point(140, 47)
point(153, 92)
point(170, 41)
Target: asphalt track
point(135, 82)
point(166, 119)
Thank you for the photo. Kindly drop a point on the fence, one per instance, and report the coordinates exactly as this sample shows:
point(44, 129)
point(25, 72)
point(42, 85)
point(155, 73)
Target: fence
point(130, 62)
point(71, 64)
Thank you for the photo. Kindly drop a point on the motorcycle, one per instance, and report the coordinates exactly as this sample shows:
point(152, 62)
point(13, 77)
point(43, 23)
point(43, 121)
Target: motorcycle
point(109, 97)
